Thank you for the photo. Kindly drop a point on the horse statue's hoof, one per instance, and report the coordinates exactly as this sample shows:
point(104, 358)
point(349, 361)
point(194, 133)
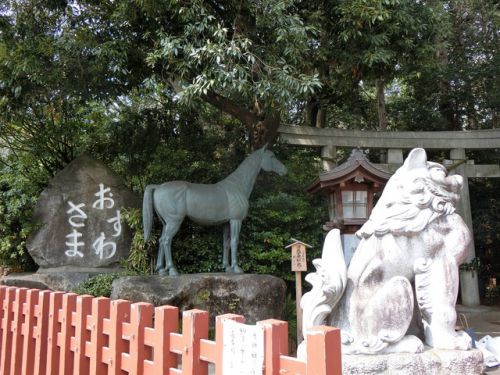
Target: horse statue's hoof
point(172, 271)
point(236, 269)
point(162, 272)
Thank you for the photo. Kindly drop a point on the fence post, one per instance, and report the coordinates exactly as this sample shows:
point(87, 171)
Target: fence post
point(275, 344)
point(78, 344)
point(53, 349)
point(28, 331)
point(324, 351)
point(120, 313)
point(166, 321)
point(141, 316)
point(194, 328)
point(8, 302)
point(17, 338)
point(95, 322)
point(41, 332)
point(3, 313)
point(3, 293)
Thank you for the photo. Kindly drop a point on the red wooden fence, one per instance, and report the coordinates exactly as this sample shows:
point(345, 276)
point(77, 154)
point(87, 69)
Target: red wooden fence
point(44, 332)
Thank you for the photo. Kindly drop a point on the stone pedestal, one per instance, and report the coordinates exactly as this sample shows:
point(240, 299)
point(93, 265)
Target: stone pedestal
point(257, 297)
point(63, 279)
point(431, 361)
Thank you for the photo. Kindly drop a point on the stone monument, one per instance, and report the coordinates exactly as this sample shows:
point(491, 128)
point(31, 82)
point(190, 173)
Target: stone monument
point(400, 289)
point(81, 231)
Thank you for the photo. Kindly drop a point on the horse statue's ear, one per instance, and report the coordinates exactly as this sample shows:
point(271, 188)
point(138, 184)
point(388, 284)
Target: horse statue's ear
point(264, 148)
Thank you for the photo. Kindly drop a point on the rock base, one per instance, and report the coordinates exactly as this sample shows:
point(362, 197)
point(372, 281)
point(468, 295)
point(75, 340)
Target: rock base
point(431, 361)
point(63, 279)
point(257, 297)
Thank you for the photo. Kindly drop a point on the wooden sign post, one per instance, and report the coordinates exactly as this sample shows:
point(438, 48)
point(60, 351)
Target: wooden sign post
point(299, 265)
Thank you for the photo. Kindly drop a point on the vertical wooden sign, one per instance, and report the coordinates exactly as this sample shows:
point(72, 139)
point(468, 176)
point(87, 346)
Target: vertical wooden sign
point(299, 265)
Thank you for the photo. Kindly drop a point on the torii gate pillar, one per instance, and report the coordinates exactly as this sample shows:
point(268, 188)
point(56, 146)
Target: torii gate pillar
point(469, 289)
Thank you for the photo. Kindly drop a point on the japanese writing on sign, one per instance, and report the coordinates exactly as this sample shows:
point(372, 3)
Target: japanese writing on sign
point(299, 262)
point(242, 349)
point(103, 246)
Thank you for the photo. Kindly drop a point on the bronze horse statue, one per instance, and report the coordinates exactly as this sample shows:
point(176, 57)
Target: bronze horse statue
point(206, 204)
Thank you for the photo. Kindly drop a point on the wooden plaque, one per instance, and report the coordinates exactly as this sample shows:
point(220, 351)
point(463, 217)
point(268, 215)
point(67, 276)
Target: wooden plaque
point(299, 262)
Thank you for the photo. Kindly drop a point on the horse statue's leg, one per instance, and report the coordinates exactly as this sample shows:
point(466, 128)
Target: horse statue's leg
point(160, 262)
point(165, 251)
point(226, 244)
point(235, 237)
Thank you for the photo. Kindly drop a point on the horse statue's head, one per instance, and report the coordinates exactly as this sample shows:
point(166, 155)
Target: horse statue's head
point(270, 163)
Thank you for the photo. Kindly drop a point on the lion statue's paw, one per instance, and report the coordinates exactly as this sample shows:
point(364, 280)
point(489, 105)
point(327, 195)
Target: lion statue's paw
point(448, 340)
point(408, 344)
point(459, 341)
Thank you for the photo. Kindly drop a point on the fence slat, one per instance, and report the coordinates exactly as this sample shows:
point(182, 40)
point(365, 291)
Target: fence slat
point(41, 331)
point(28, 329)
point(17, 338)
point(8, 305)
point(275, 344)
point(113, 327)
point(324, 351)
point(290, 365)
point(53, 349)
point(141, 316)
point(78, 343)
point(66, 360)
point(95, 322)
point(3, 291)
point(158, 338)
point(194, 328)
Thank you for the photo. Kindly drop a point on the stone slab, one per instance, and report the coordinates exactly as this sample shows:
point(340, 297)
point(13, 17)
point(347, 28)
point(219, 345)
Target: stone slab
point(79, 218)
point(430, 362)
point(64, 280)
point(257, 297)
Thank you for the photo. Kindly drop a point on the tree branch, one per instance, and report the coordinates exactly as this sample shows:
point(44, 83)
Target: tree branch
point(230, 107)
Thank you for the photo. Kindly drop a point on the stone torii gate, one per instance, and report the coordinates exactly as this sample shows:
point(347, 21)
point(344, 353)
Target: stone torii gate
point(457, 142)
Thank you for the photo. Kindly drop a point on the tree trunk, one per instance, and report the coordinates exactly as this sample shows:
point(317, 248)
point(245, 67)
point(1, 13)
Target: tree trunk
point(382, 114)
point(311, 112)
point(262, 126)
point(264, 131)
point(321, 118)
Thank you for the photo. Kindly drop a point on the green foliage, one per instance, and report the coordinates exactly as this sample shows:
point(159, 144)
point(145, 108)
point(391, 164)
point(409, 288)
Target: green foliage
point(17, 198)
point(473, 265)
point(139, 259)
point(290, 316)
point(250, 51)
point(100, 285)
point(492, 295)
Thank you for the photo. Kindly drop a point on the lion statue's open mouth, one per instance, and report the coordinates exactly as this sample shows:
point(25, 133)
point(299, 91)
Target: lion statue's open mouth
point(410, 250)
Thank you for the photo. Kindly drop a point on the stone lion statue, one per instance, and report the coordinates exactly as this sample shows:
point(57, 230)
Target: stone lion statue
point(404, 272)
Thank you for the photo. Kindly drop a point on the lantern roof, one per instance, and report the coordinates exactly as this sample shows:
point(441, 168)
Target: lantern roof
point(357, 168)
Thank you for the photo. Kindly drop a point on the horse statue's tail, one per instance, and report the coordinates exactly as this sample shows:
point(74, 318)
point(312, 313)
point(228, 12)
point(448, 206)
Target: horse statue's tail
point(147, 210)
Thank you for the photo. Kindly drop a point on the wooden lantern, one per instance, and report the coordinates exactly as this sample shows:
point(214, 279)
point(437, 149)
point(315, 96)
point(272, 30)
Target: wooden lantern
point(351, 188)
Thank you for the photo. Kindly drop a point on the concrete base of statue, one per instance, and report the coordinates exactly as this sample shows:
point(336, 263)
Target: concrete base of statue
point(63, 279)
point(257, 297)
point(431, 361)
